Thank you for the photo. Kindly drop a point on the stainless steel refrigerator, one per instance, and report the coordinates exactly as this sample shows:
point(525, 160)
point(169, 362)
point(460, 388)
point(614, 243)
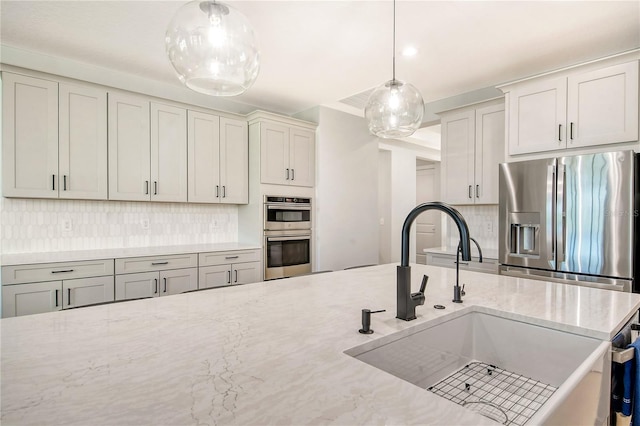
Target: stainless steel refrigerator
point(571, 219)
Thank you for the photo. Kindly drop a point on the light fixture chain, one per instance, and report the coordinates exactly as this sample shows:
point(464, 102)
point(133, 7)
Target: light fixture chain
point(394, 42)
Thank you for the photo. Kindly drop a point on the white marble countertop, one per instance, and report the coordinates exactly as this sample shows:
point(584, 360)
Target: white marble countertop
point(487, 254)
point(263, 353)
point(115, 253)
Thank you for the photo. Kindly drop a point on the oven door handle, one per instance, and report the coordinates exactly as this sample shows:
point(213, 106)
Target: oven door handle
point(287, 207)
point(304, 237)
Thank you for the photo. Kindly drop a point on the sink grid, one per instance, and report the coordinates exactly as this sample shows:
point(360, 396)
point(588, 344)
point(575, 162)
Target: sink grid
point(508, 398)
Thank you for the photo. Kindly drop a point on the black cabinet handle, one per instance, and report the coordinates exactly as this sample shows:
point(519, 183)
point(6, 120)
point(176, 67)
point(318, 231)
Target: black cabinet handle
point(469, 192)
point(68, 297)
point(287, 175)
point(165, 285)
point(571, 130)
point(231, 257)
point(560, 132)
point(146, 187)
point(62, 271)
point(159, 263)
point(53, 184)
point(477, 191)
point(56, 298)
point(228, 277)
point(236, 280)
point(224, 191)
point(155, 286)
point(293, 174)
point(64, 182)
point(217, 191)
point(155, 187)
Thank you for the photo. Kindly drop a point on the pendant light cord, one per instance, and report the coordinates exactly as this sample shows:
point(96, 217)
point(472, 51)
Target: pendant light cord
point(394, 41)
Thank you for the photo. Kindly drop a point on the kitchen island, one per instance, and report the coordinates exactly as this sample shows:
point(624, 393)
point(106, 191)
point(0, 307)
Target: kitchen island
point(263, 353)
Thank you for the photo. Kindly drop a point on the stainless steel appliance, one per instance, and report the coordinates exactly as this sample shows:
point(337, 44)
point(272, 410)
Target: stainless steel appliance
point(287, 236)
point(571, 219)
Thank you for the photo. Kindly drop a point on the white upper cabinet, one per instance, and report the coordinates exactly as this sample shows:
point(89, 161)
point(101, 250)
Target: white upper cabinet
point(472, 147)
point(54, 139)
point(274, 153)
point(129, 148)
point(602, 106)
point(204, 157)
point(218, 169)
point(147, 150)
point(579, 109)
point(29, 137)
point(83, 142)
point(234, 161)
point(168, 153)
point(287, 154)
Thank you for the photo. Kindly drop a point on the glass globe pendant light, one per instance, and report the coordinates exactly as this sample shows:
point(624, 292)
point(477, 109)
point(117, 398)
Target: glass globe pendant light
point(395, 108)
point(213, 48)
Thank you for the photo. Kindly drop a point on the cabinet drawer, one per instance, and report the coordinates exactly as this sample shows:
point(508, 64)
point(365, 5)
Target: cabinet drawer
point(56, 271)
point(156, 263)
point(227, 257)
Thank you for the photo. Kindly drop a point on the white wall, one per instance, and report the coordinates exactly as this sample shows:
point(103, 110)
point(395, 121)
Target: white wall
point(403, 196)
point(384, 206)
point(346, 192)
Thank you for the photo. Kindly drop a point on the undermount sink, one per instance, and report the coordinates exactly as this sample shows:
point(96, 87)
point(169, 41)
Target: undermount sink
point(505, 369)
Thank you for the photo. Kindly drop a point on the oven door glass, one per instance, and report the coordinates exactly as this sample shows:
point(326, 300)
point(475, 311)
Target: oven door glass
point(280, 214)
point(287, 251)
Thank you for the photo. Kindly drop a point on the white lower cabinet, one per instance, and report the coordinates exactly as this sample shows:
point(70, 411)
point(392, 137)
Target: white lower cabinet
point(155, 284)
point(219, 269)
point(46, 287)
point(36, 298)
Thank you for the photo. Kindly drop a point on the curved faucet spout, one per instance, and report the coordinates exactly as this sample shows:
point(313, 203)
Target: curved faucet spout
point(407, 301)
point(463, 229)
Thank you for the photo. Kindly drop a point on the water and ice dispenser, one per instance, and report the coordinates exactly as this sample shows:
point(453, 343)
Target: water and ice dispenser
point(525, 234)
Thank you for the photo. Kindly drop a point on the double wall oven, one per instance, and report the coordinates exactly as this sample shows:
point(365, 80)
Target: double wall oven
point(287, 236)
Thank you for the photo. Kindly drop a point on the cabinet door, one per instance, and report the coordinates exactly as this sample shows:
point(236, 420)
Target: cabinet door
point(178, 281)
point(302, 157)
point(87, 291)
point(458, 133)
point(32, 298)
point(244, 273)
point(602, 106)
point(129, 148)
point(537, 114)
point(489, 152)
point(214, 276)
point(274, 154)
point(168, 153)
point(83, 142)
point(203, 132)
point(136, 286)
point(234, 161)
point(29, 137)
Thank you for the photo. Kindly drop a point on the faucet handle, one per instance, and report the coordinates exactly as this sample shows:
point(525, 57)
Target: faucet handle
point(423, 286)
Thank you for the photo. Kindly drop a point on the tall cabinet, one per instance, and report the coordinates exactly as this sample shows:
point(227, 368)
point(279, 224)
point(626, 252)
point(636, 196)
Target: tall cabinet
point(472, 148)
point(54, 140)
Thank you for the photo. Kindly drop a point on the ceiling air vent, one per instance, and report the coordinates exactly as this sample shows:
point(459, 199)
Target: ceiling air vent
point(358, 100)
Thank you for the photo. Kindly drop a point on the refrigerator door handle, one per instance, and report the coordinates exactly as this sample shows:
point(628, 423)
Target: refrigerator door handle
point(562, 215)
point(550, 225)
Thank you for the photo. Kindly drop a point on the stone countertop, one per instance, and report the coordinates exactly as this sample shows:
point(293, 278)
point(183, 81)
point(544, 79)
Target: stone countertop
point(115, 253)
point(263, 353)
point(487, 254)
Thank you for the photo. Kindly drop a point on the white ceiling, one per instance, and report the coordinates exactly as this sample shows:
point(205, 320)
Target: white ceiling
point(319, 52)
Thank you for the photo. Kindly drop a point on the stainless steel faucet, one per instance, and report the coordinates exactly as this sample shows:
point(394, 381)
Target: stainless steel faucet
point(407, 301)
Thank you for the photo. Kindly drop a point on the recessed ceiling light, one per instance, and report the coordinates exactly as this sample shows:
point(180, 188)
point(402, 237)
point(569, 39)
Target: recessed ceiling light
point(409, 51)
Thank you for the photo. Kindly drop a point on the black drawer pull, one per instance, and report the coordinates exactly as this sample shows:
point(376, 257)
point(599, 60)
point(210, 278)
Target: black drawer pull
point(231, 257)
point(62, 271)
point(159, 263)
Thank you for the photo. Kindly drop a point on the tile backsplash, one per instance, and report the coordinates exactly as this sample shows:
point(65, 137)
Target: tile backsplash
point(59, 225)
point(483, 226)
